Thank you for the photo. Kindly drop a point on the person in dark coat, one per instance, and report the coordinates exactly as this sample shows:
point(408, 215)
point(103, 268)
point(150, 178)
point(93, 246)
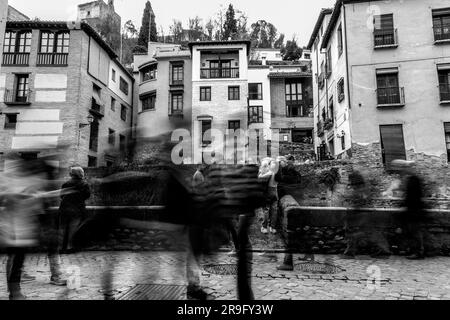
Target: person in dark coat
point(414, 218)
point(73, 207)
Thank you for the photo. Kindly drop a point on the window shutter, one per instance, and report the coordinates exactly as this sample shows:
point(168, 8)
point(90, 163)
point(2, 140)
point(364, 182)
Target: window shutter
point(441, 12)
point(447, 127)
point(392, 143)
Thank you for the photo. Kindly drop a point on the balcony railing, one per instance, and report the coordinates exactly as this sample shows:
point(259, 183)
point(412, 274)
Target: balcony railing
point(385, 38)
point(442, 33)
point(328, 124)
point(219, 73)
point(320, 129)
point(321, 80)
point(97, 109)
point(391, 96)
point(15, 97)
point(52, 59)
point(444, 89)
point(16, 59)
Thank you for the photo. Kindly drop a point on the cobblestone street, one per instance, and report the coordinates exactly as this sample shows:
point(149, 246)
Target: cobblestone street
point(400, 278)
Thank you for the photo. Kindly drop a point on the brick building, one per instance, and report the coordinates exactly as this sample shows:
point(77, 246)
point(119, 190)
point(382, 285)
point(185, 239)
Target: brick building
point(55, 78)
point(386, 65)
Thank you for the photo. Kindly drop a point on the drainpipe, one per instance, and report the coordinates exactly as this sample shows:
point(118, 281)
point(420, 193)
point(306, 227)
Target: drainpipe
point(348, 77)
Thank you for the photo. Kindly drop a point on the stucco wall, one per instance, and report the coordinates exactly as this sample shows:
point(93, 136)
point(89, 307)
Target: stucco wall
point(416, 58)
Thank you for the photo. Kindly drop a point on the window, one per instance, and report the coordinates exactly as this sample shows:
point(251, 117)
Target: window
point(10, 121)
point(123, 112)
point(441, 24)
point(343, 142)
point(177, 73)
point(29, 155)
point(331, 110)
point(17, 42)
point(148, 102)
point(341, 90)
point(255, 91)
point(234, 93)
point(205, 93)
point(220, 69)
point(447, 139)
point(47, 42)
point(62, 42)
point(113, 75)
point(206, 138)
point(113, 104)
point(53, 48)
point(16, 48)
point(388, 90)
point(177, 103)
point(329, 64)
point(307, 56)
point(234, 125)
point(150, 72)
point(22, 88)
point(340, 41)
point(93, 138)
point(111, 137)
point(293, 92)
point(384, 32)
point(123, 86)
point(122, 142)
point(255, 114)
point(92, 162)
point(444, 83)
point(392, 144)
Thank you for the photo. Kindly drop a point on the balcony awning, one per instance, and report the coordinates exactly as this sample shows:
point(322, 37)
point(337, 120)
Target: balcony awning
point(285, 75)
point(387, 70)
point(444, 66)
point(204, 117)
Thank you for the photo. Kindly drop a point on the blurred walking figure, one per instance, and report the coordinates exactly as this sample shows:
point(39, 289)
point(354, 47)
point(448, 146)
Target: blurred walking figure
point(268, 171)
point(357, 227)
point(73, 207)
point(19, 227)
point(413, 219)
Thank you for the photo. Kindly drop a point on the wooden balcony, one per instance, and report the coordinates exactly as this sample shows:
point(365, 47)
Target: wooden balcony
point(16, 59)
point(52, 59)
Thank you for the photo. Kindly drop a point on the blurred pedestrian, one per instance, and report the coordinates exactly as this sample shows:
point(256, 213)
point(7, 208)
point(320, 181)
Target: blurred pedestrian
point(73, 207)
point(413, 218)
point(268, 173)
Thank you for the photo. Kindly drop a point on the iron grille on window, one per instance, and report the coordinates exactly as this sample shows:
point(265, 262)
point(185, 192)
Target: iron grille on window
point(441, 24)
point(384, 32)
point(444, 85)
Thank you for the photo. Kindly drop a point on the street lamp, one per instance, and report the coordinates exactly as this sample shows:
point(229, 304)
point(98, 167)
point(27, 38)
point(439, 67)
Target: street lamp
point(90, 120)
